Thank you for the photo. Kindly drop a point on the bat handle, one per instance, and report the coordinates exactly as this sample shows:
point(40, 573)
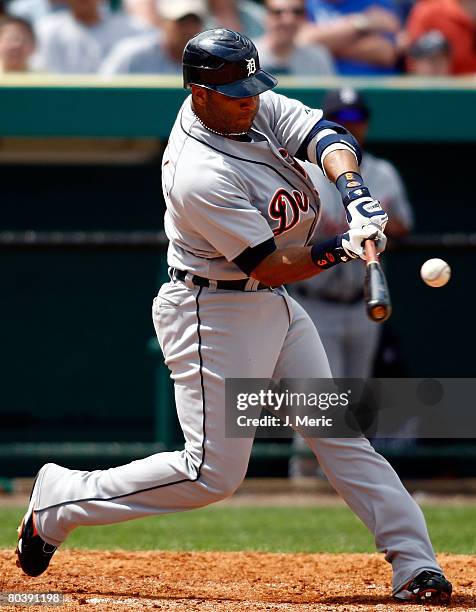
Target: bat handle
point(370, 251)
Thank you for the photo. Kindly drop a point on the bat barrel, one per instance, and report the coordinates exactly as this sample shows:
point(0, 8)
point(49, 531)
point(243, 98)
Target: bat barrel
point(377, 297)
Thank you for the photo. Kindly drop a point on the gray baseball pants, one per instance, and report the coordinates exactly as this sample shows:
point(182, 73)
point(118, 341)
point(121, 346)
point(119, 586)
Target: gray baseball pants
point(207, 336)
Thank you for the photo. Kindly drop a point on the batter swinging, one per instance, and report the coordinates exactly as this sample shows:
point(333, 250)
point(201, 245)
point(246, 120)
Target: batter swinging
point(240, 212)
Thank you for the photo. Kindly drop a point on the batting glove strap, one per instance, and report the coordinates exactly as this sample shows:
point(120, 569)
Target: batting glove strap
point(330, 253)
point(361, 208)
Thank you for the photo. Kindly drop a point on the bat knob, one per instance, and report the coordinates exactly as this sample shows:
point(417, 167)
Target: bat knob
point(379, 312)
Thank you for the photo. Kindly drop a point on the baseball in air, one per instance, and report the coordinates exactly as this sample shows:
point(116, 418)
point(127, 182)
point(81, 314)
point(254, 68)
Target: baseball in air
point(435, 272)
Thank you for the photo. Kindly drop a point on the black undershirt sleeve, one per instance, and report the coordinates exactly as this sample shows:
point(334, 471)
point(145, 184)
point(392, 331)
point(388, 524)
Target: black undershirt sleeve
point(251, 257)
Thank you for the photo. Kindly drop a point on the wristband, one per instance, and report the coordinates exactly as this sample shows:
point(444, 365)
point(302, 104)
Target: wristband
point(329, 253)
point(351, 187)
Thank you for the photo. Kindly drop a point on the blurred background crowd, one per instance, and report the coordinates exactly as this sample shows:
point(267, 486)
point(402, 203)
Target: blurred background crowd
point(294, 37)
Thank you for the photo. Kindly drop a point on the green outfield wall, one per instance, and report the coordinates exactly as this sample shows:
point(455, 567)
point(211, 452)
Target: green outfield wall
point(405, 109)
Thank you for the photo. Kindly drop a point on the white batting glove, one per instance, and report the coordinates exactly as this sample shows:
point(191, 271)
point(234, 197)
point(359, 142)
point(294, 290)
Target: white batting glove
point(360, 207)
point(364, 211)
point(353, 241)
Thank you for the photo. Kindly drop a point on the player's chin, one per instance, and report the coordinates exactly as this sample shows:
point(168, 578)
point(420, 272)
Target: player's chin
point(245, 123)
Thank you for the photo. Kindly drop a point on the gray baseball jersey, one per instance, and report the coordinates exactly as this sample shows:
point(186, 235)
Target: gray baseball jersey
point(222, 197)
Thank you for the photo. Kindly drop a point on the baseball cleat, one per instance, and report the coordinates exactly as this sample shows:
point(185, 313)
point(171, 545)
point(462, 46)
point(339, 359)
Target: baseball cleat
point(34, 554)
point(428, 588)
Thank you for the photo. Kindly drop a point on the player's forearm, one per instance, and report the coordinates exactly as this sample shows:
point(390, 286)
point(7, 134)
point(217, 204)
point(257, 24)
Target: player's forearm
point(338, 162)
point(292, 264)
point(287, 265)
point(342, 168)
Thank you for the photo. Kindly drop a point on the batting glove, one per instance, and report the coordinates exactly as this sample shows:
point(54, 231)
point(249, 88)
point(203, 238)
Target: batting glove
point(361, 208)
point(366, 211)
point(353, 241)
point(344, 247)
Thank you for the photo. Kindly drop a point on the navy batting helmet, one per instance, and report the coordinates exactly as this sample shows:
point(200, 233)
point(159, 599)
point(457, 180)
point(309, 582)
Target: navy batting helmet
point(227, 62)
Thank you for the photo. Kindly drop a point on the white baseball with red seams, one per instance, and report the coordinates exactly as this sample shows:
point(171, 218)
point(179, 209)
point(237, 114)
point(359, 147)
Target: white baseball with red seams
point(435, 272)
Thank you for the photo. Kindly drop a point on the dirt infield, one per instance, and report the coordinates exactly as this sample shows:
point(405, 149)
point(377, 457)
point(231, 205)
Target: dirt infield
point(225, 582)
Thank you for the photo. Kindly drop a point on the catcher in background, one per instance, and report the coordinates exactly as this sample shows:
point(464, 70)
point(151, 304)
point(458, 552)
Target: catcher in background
point(335, 301)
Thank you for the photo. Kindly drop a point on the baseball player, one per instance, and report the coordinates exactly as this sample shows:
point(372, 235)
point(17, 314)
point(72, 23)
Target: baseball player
point(240, 212)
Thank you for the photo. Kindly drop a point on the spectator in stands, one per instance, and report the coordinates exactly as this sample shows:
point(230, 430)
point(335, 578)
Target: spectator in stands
point(143, 12)
point(456, 20)
point(278, 51)
point(34, 9)
point(226, 14)
point(78, 39)
point(161, 52)
point(17, 44)
point(361, 34)
point(430, 55)
point(240, 15)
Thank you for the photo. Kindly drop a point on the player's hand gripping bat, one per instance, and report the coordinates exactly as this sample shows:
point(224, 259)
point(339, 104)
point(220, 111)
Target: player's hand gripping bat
point(377, 296)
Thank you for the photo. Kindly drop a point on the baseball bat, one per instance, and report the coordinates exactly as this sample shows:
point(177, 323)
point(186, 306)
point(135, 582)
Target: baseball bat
point(377, 296)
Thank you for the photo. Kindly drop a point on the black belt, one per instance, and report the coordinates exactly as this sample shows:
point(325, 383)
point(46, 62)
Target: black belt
point(350, 301)
point(231, 285)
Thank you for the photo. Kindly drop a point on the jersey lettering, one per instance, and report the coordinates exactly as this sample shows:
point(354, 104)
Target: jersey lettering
point(287, 207)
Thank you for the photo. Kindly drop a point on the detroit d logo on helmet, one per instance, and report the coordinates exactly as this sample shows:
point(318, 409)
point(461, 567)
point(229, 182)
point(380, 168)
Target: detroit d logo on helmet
point(251, 65)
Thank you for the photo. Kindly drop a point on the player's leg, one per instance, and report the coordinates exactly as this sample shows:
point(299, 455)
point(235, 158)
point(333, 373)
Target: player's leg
point(362, 477)
point(205, 337)
point(330, 319)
